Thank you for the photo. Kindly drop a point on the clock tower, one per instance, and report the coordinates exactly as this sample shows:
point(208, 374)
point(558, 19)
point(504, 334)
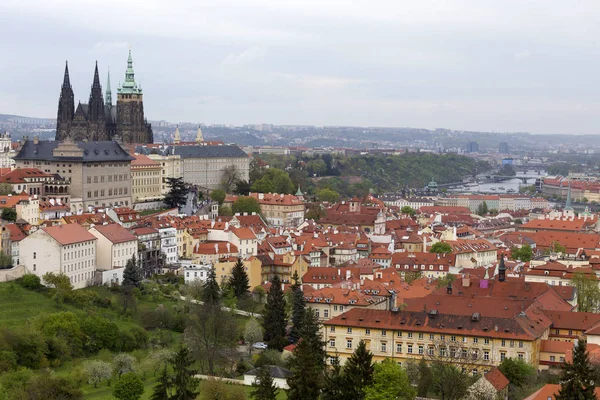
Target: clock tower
point(132, 127)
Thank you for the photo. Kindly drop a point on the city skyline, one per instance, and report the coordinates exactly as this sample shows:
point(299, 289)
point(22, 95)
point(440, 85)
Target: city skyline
point(508, 67)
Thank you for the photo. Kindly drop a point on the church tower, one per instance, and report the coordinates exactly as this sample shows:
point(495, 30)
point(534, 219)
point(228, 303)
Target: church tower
point(96, 118)
point(66, 107)
point(131, 124)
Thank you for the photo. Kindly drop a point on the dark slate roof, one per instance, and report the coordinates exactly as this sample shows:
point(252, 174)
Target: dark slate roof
point(92, 151)
point(208, 151)
point(275, 371)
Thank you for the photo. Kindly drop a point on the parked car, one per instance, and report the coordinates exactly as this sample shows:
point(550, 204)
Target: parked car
point(260, 346)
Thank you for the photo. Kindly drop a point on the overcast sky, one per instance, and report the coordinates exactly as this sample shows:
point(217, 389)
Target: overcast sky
point(475, 65)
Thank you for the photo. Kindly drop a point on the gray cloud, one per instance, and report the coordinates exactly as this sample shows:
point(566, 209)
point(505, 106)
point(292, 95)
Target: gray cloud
point(487, 65)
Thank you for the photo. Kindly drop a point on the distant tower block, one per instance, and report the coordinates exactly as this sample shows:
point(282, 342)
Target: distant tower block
point(199, 137)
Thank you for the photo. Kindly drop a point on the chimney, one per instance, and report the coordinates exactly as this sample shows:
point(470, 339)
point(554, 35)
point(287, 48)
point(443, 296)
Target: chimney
point(449, 288)
point(228, 247)
point(217, 248)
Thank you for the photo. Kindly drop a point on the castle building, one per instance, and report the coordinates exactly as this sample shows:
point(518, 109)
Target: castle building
point(99, 120)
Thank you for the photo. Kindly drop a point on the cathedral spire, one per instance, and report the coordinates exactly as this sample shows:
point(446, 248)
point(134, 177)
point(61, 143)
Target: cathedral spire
point(108, 91)
point(66, 80)
point(96, 83)
point(96, 103)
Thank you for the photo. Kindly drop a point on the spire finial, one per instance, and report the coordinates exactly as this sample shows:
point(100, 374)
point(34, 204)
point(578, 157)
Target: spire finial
point(108, 91)
point(66, 80)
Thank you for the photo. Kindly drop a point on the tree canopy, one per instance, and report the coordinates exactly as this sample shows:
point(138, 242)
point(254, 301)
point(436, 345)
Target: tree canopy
point(440, 248)
point(274, 320)
point(246, 204)
point(524, 253)
point(328, 195)
point(577, 378)
point(274, 180)
point(176, 197)
point(389, 382)
point(218, 195)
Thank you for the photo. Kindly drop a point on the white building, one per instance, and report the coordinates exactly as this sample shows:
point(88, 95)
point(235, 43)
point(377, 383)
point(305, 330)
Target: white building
point(195, 272)
point(115, 246)
point(168, 243)
point(63, 249)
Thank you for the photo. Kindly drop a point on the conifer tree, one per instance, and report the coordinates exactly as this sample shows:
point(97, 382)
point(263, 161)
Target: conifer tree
point(358, 372)
point(177, 195)
point(308, 361)
point(334, 385)
point(161, 390)
point(264, 388)
point(577, 379)
point(298, 308)
point(132, 276)
point(239, 281)
point(184, 383)
point(274, 321)
point(211, 294)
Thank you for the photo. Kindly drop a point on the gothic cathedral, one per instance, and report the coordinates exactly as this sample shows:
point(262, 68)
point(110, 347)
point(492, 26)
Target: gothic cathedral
point(99, 120)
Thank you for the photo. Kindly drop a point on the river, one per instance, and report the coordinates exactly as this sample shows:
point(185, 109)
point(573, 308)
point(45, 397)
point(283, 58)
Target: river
point(508, 186)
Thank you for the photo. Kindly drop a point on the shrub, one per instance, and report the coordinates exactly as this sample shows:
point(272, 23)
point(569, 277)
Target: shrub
point(129, 387)
point(8, 361)
point(30, 281)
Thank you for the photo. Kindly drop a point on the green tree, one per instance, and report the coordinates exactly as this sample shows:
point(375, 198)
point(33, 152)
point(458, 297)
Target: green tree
point(425, 379)
point(308, 361)
point(298, 308)
point(246, 204)
point(97, 371)
point(184, 381)
point(230, 175)
point(516, 371)
point(9, 214)
point(577, 378)
point(482, 208)
point(177, 195)
point(507, 170)
point(358, 372)
point(128, 387)
point(239, 281)
point(252, 333)
point(556, 247)
point(408, 210)
point(525, 253)
point(335, 383)
point(5, 260)
point(5, 189)
point(60, 284)
point(274, 320)
point(449, 382)
point(30, 281)
point(123, 363)
point(132, 276)
point(440, 248)
point(162, 388)
point(389, 382)
point(46, 387)
point(588, 293)
point(225, 211)
point(274, 180)
point(211, 293)
point(264, 387)
point(218, 195)
point(242, 188)
point(328, 195)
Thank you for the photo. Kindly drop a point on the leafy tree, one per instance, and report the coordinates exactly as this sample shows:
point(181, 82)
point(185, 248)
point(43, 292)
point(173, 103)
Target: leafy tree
point(308, 361)
point(440, 248)
point(9, 214)
point(242, 188)
point(128, 387)
point(408, 210)
point(274, 320)
point(161, 389)
point(588, 292)
point(556, 247)
point(46, 386)
point(230, 176)
point(225, 211)
point(3, 393)
point(516, 371)
point(211, 335)
point(218, 195)
point(264, 388)
point(445, 280)
point(31, 282)
point(97, 371)
point(358, 372)
point(482, 208)
point(5, 189)
point(252, 333)
point(411, 276)
point(5, 260)
point(577, 378)
point(335, 382)
point(246, 204)
point(425, 379)
point(525, 253)
point(274, 180)
point(184, 381)
point(123, 363)
point(449, 382)
point(298, 308)
point(328, 195)
point(389, 382)
point(60, 284)
point(239, 281)
point(177, 195)
point(132, 276)
point(211, 293)
point(507, 170)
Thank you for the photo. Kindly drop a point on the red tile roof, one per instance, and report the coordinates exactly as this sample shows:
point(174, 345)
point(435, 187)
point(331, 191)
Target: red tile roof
point(69, 234)
point(22, 175)
point(115, 233)
point(497, 379)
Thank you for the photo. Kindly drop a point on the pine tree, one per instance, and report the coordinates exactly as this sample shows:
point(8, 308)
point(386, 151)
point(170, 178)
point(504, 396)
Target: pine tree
point(264, 388)
point(132, 276)
point(358, 372)
point(177, 195)
point(211, 294)
point(183, 381)
point(274, 321)
point(335, 383)
point(577, 379)
point(308, 361)
point(161, 390)
point(298, 308)
point(239, 281)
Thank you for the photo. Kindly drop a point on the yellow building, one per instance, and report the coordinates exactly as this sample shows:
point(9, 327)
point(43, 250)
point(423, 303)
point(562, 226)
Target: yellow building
point(277, 209)
point(252, 265)
point(283, 265)
point(145, 179)
point(477, 342)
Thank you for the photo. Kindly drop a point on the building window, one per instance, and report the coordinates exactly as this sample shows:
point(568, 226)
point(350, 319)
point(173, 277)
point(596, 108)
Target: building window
point(383, 347)
point(512, 343)
point(486, 341)
point(332, 343)
point(520, 344)
point(410, 335)
point(453, 338)
point(399, 334)
point(349, 343)
point(349, 330)
point(410, 347)
point(420, 336)
point(325, 313)
point(503, 343)
point(34, 255)
point(552, 358)
point(431, 350)
point(502, 356)
point(521, 356)
point(475, 340)
point(431, 336)
point(486, 355)
point(383, 333)
point(367, 332)
point(421, 349)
